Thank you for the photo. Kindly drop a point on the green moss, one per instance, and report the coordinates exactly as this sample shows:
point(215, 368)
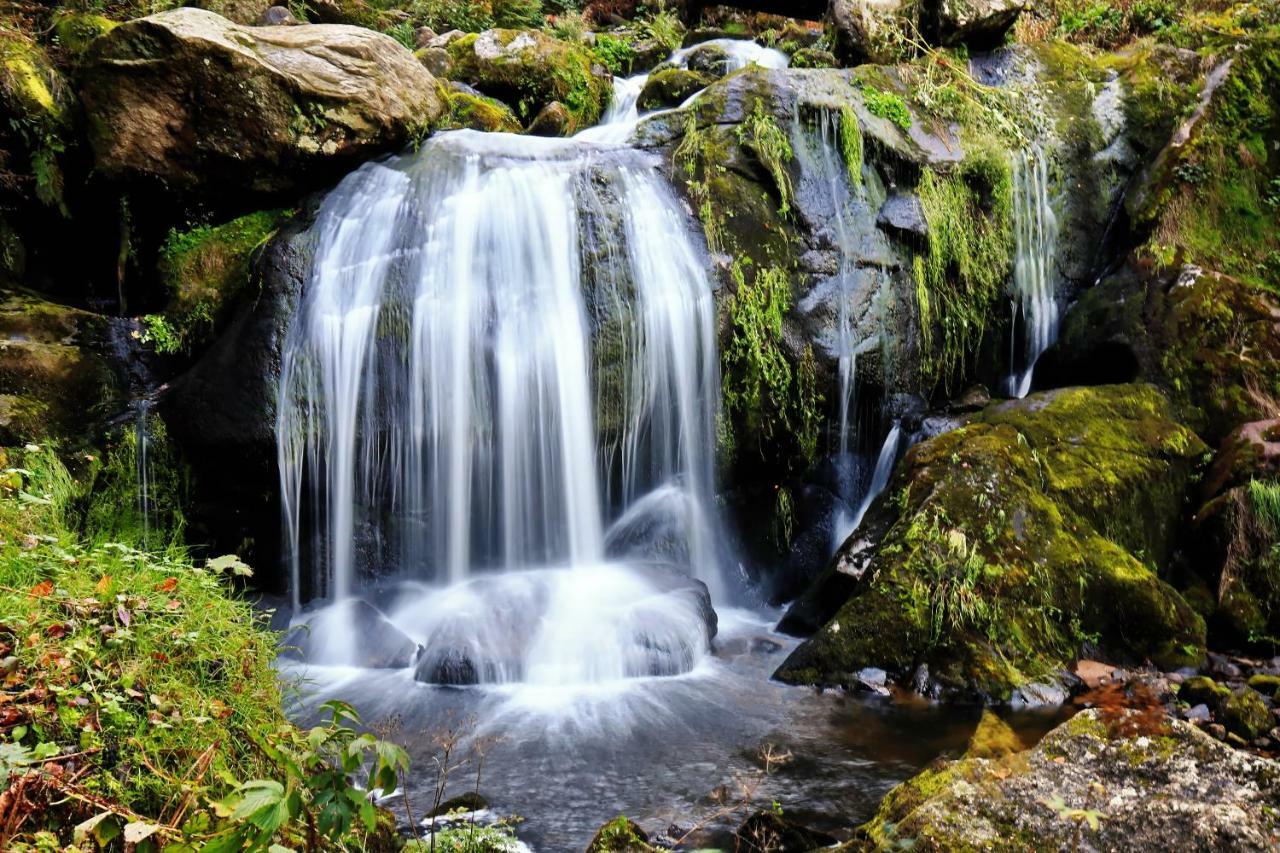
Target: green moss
point(136, 504)
point(888, 105)
point(760, 134)
point(757, 374)
point(477, 112)
point(614, 53)
point(851, 145)
point(968, 261)
point(990, 575)
point(32, 93)
point(205, 270)
point(75, 31)
point(671, 87)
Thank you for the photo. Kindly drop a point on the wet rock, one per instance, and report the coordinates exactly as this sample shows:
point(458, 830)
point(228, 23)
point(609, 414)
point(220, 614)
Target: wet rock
point(709, 59)
point(672, 87)
point(977, 23)
point(904, 216)
point(469, 109)
point(353, 633)
point(468, 802)
point(1198, 714)
point(868, 30)
point(192, 101)
point(813, 57)
point(1174, 790)
point(1039, 695)
point(1267, 685)
point(768, 831)
point(531, 70)
point(553, 120)
point(1077, 481)
point(1204, 690)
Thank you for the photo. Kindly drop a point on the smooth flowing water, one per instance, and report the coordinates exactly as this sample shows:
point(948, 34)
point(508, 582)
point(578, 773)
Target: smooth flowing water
point(1034, 305)
point(496, 432)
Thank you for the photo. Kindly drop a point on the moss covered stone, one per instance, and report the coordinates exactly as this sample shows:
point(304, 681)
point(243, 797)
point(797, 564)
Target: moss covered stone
point(205, 270)
point(1012, 541)
point(1171, 789)
point(37, 104)
point(75, 31)
point(477, 112)
point(671, 87)
point(53, 385)
point(529, 70)
point(1246, 714)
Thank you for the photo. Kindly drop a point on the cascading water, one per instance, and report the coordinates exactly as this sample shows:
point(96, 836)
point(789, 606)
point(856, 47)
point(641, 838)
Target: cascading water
point(624, 113)
point(880, 477)
point(142, 462)
point(440, 418)
point(1034, 299)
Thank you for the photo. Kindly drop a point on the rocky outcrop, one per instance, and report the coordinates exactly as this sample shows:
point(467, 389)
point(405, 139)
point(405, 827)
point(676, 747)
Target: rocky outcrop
point(1009, 543)
point(200, 105)
point(1090, 785)
point(882, 31)
point(54, 384)
point(531, 70)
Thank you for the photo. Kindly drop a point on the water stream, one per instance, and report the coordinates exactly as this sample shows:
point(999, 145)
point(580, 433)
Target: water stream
point(1034, 298)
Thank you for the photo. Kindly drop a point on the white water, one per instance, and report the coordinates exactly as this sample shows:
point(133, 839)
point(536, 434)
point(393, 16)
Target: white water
point(1034, 300)
point(846, 525)
point(505, 343)
point(623, 115)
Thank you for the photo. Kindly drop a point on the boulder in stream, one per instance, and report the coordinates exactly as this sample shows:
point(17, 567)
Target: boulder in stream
point(350, 633)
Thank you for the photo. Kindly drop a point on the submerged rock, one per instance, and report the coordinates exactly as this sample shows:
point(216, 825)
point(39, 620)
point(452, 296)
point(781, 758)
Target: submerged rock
point(351, 633)
point(192, 101)
point(672, 87)
point(770, 832)
point(1008, 542)
point(620, 836)
point(1084, 786)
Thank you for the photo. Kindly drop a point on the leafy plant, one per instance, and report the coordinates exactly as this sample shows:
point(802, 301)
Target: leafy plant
point(762, 136)
point(470, 16)
point(518, 14)
point(614, 53)
point(157, 331)
point(405, 33)
point(664, 27)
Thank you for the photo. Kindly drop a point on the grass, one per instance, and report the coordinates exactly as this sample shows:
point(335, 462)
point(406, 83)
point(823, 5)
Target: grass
point(761, 135)
point(1264, 497)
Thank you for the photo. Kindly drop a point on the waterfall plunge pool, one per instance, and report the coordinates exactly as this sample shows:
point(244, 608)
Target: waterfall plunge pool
point(696, 751)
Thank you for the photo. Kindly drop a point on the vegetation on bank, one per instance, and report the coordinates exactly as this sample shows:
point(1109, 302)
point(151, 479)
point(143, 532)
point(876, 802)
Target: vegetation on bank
point(139, 701)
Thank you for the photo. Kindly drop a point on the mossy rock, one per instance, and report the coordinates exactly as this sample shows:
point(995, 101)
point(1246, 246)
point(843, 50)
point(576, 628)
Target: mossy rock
point(1207, 338)
point(1267, 685)
point(1202, 690)
point(38, 105)
point(1006, 549)
point(477, 112)
point(529, 70)
point(814, 57)
point(620, 836)
point(75, 31)
point(1246, 714)
point(1170, 788)
point(53, 385)
point(205, 270)
point(672, 87)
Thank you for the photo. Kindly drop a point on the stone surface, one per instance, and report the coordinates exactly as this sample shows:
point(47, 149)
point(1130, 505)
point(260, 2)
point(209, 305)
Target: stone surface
point(1175, 790)
point(672, 87)
point(353, 633)
point(198, 104)
point(1036, 507)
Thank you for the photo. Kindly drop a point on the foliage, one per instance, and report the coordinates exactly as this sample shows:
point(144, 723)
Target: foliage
point(157, 331)
point(664, 27)
point(145, 690)
point(405, 33)
point(468, 838)
point(138, 490)
point(702, 156)
point(1264, 498)
point(518, 14)
point(614, 53)
point(761, 135)
point(470, 16)
point(887, 105)
point(968, 260)
point(757, 373)
point(569, 26)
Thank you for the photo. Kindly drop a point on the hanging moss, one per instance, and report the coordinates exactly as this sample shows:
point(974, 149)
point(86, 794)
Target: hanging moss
point(967, 262)
point(851, 145)
point(757, 373)
point(760, 134)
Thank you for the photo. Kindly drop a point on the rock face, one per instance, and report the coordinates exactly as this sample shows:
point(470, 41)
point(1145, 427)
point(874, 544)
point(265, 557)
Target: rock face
point(192, 101)
point(530, 70)
point(1083, 787)
point(877, 30)
point(1006, 543)
point(53, 382)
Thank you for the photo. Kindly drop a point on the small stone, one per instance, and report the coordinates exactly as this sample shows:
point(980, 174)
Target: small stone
point(1198, 714)
point(1267, 685)
point(872, 676)
point(1217, 731)
point(278, 16)
point(1247, 714)
point(903, 215)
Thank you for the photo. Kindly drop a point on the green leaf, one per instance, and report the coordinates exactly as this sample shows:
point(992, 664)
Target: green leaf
point(341, 711)
point(229, 563)
point(102, 828)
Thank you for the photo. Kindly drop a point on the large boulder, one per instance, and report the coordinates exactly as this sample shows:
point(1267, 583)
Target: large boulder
point(977, 23)
point(1007, 545)
point(883, 31)
point(871, 30)
point(531, 70)
point(1090, 785)
point(201, 105)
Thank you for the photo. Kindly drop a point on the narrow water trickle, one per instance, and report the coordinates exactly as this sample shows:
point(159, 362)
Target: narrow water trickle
point(1034, 301)
point(142, 441)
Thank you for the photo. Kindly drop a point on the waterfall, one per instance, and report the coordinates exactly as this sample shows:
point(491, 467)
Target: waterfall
point(504, 344)
point(879, 482)
point(1035, 241)
point(142, 462)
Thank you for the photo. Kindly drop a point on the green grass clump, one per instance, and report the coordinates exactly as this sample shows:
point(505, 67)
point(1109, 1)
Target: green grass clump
point(614, 53)
point(851, 145)
point(1264, 497)
point(968, 260)
point(888, 105)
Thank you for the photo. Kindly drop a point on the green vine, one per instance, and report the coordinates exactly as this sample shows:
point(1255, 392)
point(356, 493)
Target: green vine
point(762, 136)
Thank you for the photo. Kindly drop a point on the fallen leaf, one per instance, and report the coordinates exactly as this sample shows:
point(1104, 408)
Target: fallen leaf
point(42, 589)
point(169, 585)
point(139, 831)
point(104, 585)
point(124, 616)
point(173, 604)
